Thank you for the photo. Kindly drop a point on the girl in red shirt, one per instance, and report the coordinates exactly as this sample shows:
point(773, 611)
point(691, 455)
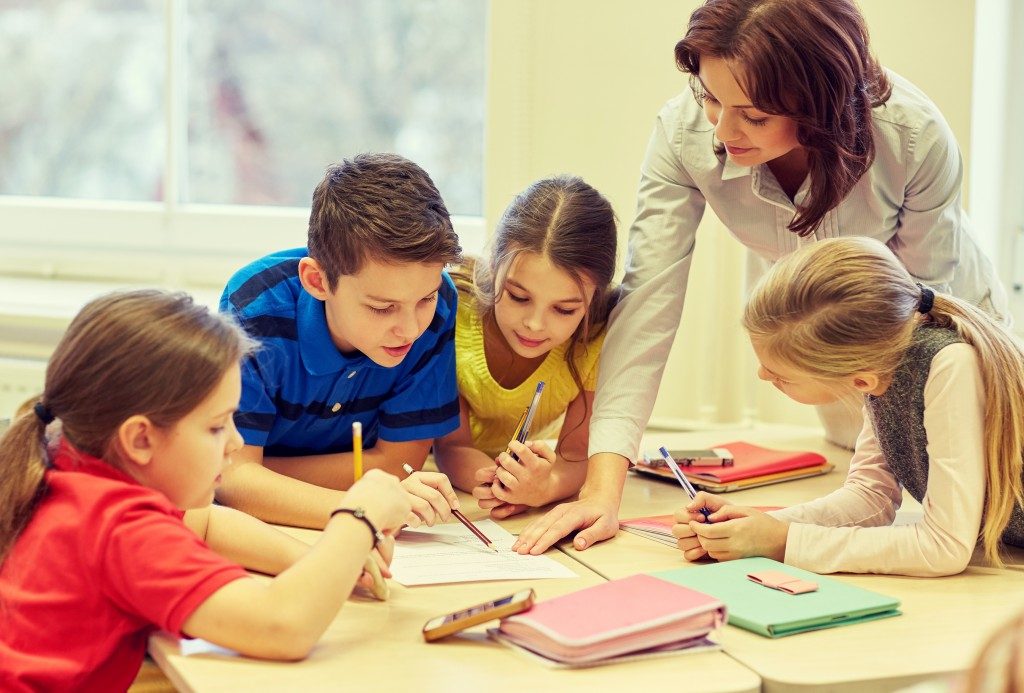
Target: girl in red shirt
point(94, 553)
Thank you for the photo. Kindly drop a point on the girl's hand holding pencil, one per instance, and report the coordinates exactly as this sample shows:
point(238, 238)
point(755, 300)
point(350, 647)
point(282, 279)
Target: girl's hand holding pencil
point(524, 476)
point(727, 532)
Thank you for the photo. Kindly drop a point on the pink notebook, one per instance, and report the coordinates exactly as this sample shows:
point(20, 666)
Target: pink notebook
point(614, 618)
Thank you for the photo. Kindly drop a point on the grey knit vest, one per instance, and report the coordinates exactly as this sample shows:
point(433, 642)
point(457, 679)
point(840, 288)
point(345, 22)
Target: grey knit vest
point(898, 419)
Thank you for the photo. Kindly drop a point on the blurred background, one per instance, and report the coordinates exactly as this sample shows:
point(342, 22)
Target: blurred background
point(168, 142)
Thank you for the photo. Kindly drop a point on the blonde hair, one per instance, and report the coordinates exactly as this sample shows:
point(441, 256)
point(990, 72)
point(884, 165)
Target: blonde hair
point(1000, 663)
point(847, 305)
point(143, 352)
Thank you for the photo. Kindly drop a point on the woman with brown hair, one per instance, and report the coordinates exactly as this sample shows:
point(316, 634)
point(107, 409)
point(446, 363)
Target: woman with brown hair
point(793, 133)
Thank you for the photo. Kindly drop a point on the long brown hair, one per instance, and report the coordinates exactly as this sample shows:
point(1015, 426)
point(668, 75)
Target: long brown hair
point(846, 305)
point(571, 224)
point(807, 60)
point(143, 352)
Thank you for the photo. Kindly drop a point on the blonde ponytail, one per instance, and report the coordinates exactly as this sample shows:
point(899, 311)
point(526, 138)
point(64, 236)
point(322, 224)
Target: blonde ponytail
point(846, 305)
point(1001, 360)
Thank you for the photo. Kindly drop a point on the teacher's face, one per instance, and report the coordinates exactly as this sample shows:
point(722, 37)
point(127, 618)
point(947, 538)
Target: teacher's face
point(750, 136)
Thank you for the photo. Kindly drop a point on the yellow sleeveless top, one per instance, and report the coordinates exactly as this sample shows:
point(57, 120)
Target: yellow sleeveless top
point(494, 410)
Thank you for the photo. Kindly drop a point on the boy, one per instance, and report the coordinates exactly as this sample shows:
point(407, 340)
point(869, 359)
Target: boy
point(358, 326)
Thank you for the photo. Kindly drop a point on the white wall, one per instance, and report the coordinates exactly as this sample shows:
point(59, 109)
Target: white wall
point(574, 87)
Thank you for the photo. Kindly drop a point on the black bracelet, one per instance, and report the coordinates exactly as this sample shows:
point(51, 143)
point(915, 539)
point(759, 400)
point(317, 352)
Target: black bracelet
point(360, 514)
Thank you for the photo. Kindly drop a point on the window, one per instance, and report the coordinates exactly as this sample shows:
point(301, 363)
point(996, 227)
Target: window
point(137, 131)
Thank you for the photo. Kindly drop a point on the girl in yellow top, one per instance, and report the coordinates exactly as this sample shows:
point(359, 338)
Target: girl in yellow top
point(534, 310)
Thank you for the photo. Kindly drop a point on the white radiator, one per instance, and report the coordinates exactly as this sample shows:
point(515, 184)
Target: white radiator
point(19, 380)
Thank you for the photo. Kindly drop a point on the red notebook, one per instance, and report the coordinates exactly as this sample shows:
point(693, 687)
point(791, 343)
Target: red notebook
point(752, 466)
point(632, 614)
point(753, 460)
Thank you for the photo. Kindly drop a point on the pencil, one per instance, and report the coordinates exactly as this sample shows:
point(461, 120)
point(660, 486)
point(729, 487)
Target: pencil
point(524, 432)
point(357, 450)
point(519, 427)
point(526, 420)
point(681, 478)
point(462, 518)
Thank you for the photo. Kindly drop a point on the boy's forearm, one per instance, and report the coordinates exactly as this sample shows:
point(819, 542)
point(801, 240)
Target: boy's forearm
point(250, 542)
point(277, 498)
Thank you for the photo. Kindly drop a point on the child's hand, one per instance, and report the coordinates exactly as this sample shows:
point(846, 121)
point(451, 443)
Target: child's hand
point(432, 498)
point(525, 481)
point(686, 538)
point(504, 510)
point(382, 556)
point(486, 499)
point(738, 532)
point(482, 492)
point(703, 500)
point(382, 497)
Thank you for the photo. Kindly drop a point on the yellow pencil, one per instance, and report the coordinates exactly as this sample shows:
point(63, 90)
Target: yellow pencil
point(519, 428)
point(357, 449)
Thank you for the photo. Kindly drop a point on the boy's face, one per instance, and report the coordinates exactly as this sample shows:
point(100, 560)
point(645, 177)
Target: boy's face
point(382, 309)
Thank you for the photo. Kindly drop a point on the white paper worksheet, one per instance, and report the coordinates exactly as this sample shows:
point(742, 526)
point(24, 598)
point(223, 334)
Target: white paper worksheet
point(450, 553)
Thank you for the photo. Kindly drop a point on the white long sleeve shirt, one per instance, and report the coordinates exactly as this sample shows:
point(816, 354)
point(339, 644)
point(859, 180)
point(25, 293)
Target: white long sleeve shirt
point(909, 199)
point(850, 530)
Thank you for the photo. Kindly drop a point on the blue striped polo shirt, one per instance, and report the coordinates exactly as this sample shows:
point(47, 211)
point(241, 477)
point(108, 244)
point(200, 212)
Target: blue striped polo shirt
point(300, 395)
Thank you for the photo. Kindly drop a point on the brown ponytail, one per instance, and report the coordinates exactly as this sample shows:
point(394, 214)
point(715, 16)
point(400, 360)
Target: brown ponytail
point(145, 352)
point(22, 466)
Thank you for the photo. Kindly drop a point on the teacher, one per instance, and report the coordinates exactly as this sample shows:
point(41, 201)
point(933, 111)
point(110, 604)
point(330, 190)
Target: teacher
point(791, 132)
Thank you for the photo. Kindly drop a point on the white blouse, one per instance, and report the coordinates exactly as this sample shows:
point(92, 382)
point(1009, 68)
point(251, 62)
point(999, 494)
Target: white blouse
point(909, 198)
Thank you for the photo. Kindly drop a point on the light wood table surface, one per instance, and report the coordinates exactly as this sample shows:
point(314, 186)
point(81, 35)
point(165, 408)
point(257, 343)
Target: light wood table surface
point(377, 646)
point(944, 622)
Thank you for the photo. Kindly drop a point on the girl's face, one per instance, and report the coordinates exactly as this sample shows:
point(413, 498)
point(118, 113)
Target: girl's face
point(188, 458)
point(798, 386)
point(540, 305)
point(750, 136)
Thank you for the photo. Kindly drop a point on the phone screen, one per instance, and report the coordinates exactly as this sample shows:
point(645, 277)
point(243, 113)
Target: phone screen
point(478, 609)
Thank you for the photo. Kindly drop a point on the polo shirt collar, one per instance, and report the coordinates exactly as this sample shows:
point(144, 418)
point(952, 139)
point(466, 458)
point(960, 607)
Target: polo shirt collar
point(319, 355)
point(68, 458)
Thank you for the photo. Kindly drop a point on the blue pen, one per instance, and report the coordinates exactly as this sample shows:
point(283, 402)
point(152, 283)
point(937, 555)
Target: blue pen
point(683, 481)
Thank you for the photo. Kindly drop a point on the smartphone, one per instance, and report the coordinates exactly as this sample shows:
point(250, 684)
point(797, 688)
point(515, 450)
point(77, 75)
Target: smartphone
point(713, 457)
point(443, 626)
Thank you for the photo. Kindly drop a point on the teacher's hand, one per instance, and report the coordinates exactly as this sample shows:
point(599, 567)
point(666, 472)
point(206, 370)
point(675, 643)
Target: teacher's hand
point(596, 519)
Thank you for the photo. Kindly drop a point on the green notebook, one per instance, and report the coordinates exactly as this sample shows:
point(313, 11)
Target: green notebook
point(774, 613)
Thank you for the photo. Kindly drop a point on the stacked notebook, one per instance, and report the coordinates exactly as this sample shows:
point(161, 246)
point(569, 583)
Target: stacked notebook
point(752, 466)
point(775, 612)
point(659, 527)
point(637, 615)
point(656, 527)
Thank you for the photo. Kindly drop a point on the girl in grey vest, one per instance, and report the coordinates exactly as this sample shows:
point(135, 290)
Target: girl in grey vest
point(943, 392)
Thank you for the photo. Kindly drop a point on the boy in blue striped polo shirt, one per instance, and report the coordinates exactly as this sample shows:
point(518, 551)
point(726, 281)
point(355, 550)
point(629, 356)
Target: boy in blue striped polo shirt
point(357, 326)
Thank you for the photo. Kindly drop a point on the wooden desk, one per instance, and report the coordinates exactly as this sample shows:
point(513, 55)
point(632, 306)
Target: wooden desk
point(944, 620)
point(377, 646)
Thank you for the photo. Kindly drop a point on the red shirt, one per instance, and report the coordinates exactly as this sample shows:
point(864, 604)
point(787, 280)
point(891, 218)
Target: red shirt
point(102, 563)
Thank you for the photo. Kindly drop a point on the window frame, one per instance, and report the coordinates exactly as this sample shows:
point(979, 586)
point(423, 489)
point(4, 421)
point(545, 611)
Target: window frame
point(166, 242)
